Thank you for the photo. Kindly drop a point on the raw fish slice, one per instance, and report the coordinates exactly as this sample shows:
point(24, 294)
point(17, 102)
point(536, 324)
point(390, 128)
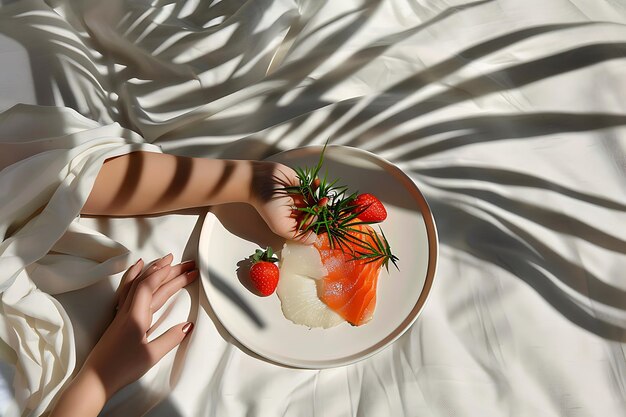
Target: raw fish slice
point(302, 260)
point(321, 286)
point(300, 268)
point(349, 287)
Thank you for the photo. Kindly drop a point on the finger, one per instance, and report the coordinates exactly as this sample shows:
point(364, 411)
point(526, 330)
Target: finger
point(287, 174)
point(304, 233)
point(299, 201)
point(169, 288)
point(304, 222)
point(179, 269)
point(160, 346)
point(131, 273)
point(146, 284)
point(125, 283)
point(156, 265)
point(145, 290)
point(125, 306)
point(166, 260)
point(156, 278)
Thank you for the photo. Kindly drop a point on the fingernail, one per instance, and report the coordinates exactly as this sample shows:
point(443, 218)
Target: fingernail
point(192, 272)
point(187, 327)
point(166, 256)
point(138, 261)
point(188, 262)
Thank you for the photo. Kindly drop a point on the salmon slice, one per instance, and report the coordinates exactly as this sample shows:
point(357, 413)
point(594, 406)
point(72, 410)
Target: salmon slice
point(349, 287)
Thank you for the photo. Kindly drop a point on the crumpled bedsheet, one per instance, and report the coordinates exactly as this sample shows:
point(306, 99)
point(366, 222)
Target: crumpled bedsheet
point(508, 115)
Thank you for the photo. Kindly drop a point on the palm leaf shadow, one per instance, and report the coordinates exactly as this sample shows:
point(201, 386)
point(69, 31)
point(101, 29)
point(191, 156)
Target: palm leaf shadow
point(480, 129)
point(273, 112)
point(469, 233)
point(509, 177)
point(515, 76)
point(430, 75)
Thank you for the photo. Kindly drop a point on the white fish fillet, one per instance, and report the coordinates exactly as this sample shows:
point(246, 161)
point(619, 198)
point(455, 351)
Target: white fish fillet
point(300, 268)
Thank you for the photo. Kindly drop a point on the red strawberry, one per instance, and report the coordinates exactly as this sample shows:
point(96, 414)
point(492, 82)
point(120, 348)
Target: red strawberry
point(264, 272)
point(370, 208)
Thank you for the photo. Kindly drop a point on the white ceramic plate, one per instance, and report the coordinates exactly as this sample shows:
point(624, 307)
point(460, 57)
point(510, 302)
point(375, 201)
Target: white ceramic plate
point(232, 232)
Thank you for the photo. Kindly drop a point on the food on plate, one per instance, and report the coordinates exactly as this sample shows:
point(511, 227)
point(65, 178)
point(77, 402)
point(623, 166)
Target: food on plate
point(335, 279)
point(349, 286)
point(264, 273)
point(300, 268)
point(370, 208)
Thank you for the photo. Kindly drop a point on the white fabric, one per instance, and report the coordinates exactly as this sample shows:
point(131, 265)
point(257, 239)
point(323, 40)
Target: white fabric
point(509, 116)
point(46, 180)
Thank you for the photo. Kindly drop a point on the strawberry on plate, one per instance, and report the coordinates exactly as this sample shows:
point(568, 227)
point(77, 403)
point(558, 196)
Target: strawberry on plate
point(370, 208)
point(264, 272)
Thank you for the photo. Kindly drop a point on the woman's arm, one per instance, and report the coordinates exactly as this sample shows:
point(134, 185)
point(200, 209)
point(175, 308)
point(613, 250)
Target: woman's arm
point(84, 397)
point(147, 183)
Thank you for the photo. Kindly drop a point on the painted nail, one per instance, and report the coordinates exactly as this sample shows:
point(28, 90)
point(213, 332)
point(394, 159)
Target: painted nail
point(187, 327)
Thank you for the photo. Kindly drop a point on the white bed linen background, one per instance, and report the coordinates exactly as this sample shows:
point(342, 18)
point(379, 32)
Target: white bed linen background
point(508, 115)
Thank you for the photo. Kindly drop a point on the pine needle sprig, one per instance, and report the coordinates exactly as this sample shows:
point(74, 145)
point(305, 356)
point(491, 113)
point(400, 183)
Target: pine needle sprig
point(330, 208)
point(307, 178)
point(379, 250)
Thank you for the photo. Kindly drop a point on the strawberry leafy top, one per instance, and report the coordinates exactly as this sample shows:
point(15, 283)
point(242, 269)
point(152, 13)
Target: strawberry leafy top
point(266, 255)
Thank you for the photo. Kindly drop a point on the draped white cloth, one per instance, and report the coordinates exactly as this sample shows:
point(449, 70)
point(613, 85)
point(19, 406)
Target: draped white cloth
point(508, 115)
point(51, 157)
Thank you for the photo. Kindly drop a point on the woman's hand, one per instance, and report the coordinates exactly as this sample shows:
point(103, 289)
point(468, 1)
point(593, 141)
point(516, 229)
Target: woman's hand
point(123, 353)
point(277, 208)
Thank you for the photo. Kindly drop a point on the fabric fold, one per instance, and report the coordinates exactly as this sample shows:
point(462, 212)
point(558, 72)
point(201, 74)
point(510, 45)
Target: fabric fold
point(44, 249)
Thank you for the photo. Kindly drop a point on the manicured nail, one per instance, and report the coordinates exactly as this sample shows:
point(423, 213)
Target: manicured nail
point(187, 327)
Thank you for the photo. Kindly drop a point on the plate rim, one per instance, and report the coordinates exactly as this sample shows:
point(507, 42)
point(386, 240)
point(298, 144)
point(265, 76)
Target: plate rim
point(418, 308)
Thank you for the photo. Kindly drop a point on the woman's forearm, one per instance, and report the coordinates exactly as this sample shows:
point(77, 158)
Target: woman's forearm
point(147, 182)
point(85, 396)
